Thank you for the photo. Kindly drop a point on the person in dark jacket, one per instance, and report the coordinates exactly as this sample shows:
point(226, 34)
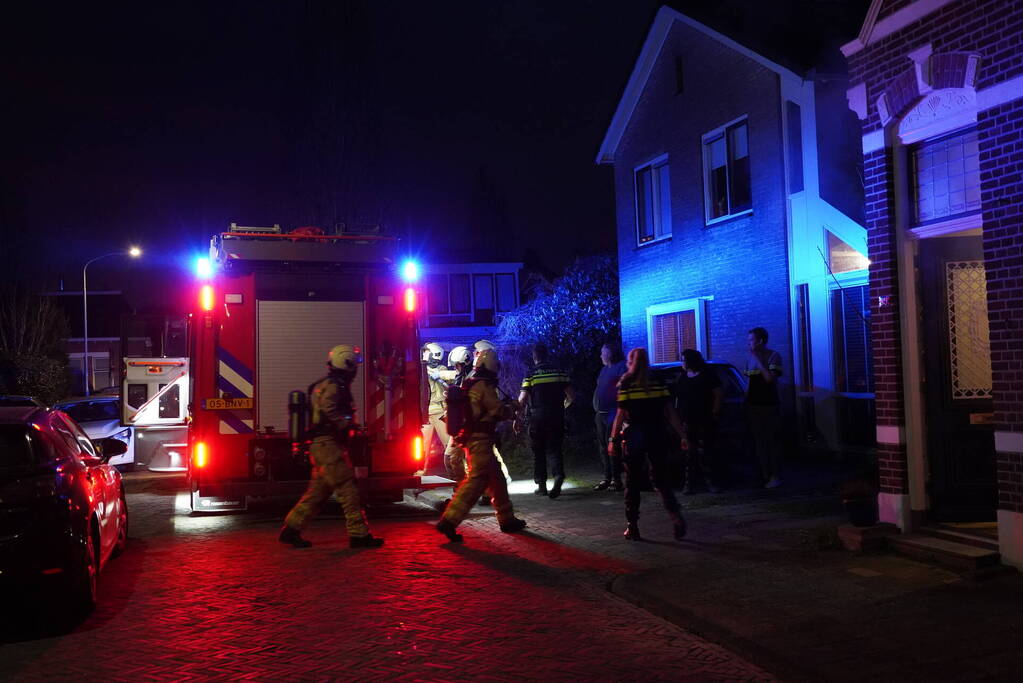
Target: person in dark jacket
point(547, 392)
point(605, 405)
point(698, 392)
point(644, 415)
point(763, 405)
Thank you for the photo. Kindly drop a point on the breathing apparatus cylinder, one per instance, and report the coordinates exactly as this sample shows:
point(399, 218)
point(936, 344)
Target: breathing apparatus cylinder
point(297, 415)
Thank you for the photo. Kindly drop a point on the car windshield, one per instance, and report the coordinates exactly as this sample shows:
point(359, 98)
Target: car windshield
point(15, 446)
point(91, 411)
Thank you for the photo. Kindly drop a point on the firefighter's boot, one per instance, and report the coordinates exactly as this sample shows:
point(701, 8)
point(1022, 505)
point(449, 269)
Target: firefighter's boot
point(448, 529)
point(367, 541)
point(515, 525)
point(292, 536)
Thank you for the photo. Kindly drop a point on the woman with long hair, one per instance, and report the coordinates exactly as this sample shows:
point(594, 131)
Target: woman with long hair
point(641, 425)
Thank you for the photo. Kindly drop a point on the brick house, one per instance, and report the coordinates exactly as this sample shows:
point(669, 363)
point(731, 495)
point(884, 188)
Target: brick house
point(938, 88)
point(738, 205)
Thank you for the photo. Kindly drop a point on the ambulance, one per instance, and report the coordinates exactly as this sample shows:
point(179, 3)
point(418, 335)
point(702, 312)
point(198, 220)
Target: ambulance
point(268, 306)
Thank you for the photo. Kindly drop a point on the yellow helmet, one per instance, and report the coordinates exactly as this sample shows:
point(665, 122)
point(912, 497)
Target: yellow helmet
point(486, 359)
point(344, 357)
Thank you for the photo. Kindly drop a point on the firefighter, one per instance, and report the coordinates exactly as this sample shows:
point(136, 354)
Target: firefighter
point(332, 413)
point(477, 348)
point(484, 472)
point(548, 393)
point(460, 362)
point(439, 378)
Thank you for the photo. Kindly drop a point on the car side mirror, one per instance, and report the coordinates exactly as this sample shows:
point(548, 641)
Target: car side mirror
point(108, 448)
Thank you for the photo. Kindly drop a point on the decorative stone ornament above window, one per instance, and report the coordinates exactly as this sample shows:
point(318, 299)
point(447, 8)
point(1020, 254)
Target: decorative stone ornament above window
point(950, 76)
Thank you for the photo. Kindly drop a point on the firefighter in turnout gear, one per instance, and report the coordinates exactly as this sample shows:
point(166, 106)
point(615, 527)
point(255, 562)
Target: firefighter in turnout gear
point(333, 413)
point(460, 362)
point(439, 378)
point(478, 348)
point(484, 472)
point(548, 392)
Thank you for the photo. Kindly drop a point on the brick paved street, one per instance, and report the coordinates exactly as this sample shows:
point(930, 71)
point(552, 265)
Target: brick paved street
point(218, 597)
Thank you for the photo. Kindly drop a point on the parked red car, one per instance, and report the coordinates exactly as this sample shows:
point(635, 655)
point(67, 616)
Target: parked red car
point(63, 513)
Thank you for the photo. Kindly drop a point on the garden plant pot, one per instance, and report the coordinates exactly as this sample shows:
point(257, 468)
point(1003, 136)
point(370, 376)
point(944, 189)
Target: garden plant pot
point(861, 511)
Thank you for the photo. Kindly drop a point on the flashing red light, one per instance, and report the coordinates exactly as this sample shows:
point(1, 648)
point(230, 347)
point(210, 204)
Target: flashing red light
point(206, 297)
point(410, 299)
point(202, 456)
point(417, 448)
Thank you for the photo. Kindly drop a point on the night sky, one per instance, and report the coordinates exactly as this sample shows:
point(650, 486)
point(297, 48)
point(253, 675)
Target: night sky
point(447, 122)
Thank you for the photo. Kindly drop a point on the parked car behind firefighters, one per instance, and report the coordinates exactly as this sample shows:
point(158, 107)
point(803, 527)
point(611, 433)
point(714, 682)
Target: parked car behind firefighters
point(63, 513)
point(100, 417)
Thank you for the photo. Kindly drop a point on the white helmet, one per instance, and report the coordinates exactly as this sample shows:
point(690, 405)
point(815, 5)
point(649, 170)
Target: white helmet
point(486, 359)
point(433, 351)
point(459, 354)
point(344, 357)
point(483, 345)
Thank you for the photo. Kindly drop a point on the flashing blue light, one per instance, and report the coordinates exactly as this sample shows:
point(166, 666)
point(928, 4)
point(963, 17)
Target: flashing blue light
point(410, 271)
point(203, 268)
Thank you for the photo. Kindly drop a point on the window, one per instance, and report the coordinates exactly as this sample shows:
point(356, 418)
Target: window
point(507, 298)
point(437, 293)
point(946, 177)
point(850, 318)
point(483, 291)
point(100, 370)
point(674, 327)
point(805, 351)
point(461, 298)
point(795, 144)
point(170, 402)
point(727, 171)
point(680, 76)
point(843, 258)
point(653, 201)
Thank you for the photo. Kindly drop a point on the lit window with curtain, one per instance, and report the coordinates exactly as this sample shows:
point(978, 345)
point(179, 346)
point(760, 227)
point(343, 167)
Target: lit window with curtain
point(653, 202)
point(673, 333)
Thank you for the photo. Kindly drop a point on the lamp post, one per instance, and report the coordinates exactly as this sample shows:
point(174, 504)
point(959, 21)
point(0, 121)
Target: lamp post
point(133, 252)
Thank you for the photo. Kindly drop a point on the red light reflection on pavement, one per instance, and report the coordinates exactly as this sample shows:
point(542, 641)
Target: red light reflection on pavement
point(228, 601)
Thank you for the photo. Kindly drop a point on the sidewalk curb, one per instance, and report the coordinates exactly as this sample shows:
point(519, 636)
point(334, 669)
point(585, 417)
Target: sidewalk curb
point(639, 588)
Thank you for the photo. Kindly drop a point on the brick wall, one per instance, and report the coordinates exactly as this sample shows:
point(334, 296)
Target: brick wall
point(991, 28)
point(879, 194)
point(1000, 131)
point(742, 263)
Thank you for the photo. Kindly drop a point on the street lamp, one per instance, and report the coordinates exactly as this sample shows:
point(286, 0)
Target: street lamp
point(133, 252)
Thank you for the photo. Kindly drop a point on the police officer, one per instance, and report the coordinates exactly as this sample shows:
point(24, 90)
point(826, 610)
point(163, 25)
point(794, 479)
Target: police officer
point(439, 378)
point(547, 392)
point(484, 472)
point(644, 413)
point(460, 363)
point(333, 412)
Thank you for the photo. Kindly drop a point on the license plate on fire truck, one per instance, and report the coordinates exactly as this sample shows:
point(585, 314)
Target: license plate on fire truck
point(227, 404)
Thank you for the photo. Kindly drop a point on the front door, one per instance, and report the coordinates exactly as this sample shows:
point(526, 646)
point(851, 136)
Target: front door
point(957, 386)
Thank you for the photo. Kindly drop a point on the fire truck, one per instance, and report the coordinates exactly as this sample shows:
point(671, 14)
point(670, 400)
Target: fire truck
point(269, 306)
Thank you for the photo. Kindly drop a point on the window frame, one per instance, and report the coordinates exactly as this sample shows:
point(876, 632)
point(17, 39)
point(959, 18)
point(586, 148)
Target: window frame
point(913, 173)
point(706, 140)
point(696, 304)
point(841, 282)
point(660, 161)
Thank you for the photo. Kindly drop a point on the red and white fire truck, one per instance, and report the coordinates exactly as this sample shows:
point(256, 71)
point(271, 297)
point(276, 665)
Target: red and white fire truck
point(269, 309)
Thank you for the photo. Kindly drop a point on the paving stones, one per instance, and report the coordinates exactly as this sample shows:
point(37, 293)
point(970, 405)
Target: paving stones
point(219, 598)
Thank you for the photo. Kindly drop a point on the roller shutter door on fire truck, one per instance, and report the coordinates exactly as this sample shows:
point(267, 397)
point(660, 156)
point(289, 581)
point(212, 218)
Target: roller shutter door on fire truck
point(293, 340)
